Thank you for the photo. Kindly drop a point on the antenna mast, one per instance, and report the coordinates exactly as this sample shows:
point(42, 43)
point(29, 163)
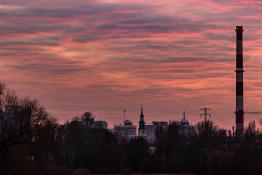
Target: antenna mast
point(124, 114)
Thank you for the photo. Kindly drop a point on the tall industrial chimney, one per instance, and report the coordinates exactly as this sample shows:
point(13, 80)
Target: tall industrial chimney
point(239, 83)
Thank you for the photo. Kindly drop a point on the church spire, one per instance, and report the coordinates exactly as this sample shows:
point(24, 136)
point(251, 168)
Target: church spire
point(142, 112)
point(141, 121)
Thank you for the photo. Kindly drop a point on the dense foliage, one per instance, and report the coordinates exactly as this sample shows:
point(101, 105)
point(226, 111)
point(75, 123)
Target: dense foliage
point(32, 142)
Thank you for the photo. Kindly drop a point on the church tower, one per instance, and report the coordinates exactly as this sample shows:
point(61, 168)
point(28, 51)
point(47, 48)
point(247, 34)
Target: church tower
point(141, 129)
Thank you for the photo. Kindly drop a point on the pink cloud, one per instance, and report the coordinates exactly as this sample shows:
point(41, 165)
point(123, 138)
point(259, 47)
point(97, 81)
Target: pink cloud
point(100, 56)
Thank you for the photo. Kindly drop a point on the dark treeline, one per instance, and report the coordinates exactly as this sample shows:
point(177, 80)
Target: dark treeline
point(32, 142)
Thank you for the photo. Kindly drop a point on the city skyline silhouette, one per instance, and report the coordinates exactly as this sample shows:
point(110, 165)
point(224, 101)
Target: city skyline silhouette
point(132, 87)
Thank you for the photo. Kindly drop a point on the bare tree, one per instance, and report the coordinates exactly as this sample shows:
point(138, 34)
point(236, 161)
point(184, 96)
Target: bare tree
point(21, 123)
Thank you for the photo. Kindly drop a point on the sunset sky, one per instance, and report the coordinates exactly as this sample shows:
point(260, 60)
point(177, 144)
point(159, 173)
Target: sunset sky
point(104, 55)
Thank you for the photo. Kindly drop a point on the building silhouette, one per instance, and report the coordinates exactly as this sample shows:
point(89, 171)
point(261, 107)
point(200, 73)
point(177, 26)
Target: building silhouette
point(126, 130)
point(185, 128)
point(148, 132)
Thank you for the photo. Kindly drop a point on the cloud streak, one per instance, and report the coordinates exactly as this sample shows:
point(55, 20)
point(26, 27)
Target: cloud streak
point(101, 56)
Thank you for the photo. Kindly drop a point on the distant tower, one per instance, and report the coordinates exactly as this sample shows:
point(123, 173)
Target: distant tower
point(124, 114)
point(141, 129)
point(184, 115)
point(205, 113)
point(239, 83)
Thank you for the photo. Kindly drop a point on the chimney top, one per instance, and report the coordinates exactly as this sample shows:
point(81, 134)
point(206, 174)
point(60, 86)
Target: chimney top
point(239, 29)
